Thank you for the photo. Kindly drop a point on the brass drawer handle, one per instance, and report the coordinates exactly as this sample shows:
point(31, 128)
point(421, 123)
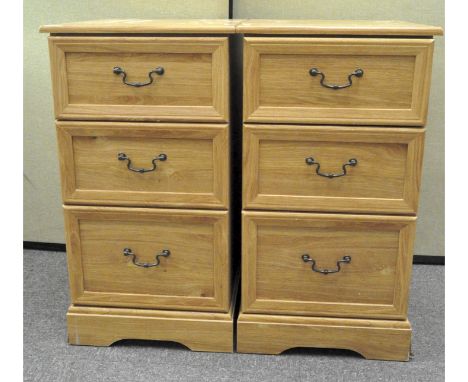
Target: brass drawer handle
point(311, 162)
point(129, 252)
point(118, 70)
point(314, 72)
point(123, 156)
point(345, 260)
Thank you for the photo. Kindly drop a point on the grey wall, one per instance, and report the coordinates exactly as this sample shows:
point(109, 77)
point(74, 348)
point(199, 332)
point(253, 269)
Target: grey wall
point(430, 226)
point(43, 220)
point(42, 202)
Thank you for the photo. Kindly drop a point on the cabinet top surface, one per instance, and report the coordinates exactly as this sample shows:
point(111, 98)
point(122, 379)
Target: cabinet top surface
point(258, 26)
point(337, 27)
point(212, 26)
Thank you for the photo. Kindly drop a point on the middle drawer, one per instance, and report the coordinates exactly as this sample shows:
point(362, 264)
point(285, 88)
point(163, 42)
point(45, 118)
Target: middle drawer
point(139, 164)
point(332, 169)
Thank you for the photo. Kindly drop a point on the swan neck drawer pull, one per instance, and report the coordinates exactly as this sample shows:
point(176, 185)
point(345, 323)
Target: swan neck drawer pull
point(345, 260)
point(314, 72)
point(118, 71)
point(311, 162)
point(129, 252)
point(123, 156)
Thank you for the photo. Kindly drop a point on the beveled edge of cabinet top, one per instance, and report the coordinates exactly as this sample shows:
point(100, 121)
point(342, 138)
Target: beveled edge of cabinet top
point(337, 27)
point(251, 26)
point(213, 26)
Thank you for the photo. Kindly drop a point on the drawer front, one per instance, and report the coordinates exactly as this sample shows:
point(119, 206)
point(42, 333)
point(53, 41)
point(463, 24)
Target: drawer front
point(139, 164)
point(393, 88)
point(373, 282)
point(108, 247)
point(348, 169)
point(193, 84)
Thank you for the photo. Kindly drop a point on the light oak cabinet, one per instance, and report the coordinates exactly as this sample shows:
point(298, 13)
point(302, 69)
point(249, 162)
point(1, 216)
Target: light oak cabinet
point(175, 135)
point(334, 115)
point(143, 127)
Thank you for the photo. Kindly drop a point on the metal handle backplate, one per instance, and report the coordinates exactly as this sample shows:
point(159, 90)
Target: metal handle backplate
point(122, 156)
point(345, 260)
point(118, 71)
point(129, 252)
point(314, 72)
point(311, 162)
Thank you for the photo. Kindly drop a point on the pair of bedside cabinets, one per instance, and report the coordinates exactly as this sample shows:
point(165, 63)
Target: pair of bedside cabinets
point(158, 158)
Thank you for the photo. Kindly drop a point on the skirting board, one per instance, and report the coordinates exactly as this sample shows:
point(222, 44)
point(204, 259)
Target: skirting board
point(429, 260)
point(373, 339)
point(53, 247)
point(56, 247)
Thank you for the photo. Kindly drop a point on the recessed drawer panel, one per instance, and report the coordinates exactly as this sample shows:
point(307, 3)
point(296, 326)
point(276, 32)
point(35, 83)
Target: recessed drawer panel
point(326, 265)
point(138, 164)
point(141, 78)
point(368, 81)
point(149, 258)
point(330, 168)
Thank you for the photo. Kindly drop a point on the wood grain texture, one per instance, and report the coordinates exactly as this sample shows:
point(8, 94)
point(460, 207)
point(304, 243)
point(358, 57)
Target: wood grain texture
point(135, 26)
point(337, 27)
point(373, 339)
point(194, 86)
point(197, 330)
point(393, 91)
point(196, 275)
point(374, 285)
point(386, 179)
point(195, 174)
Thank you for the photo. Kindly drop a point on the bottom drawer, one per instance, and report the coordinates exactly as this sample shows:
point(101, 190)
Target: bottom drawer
point(150, 258)
point(326, 265)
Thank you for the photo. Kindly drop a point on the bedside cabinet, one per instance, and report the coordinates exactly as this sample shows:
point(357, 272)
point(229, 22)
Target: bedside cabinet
point(333, 143)
point(143, 114)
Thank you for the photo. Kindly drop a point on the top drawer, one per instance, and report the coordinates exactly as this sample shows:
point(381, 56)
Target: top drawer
point(379, 81)
point(184, 79)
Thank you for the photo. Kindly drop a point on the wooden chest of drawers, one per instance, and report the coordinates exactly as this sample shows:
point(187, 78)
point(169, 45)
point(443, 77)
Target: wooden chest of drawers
point(151, 138)
point(144, 142)
point(317, 139)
